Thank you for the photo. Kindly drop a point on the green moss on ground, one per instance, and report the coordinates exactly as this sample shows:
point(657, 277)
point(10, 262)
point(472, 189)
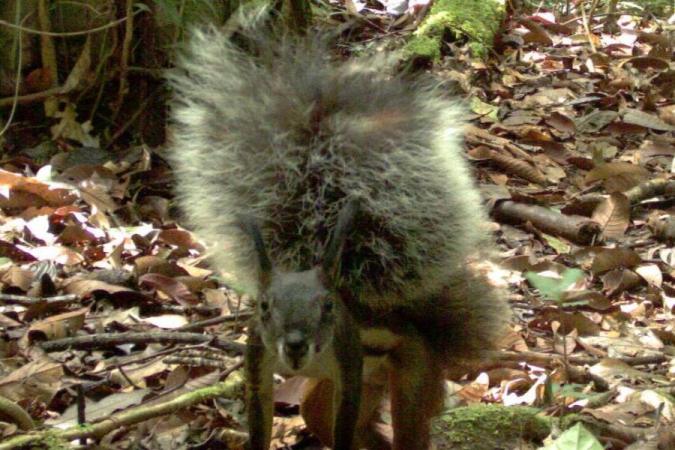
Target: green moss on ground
point(478, 20)
point(486, 427)
point(52, 442)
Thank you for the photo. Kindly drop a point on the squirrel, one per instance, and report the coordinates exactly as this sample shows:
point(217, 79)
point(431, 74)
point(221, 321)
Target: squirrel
point(302, 328)
point(336, 194)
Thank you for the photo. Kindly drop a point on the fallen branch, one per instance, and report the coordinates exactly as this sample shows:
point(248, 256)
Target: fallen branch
point(662, 228)
point(479, 136)
point(649, 189)
point(578, 229)
point(226, 388)
point(643, 191)
point(19, 416)
point(105, 340)
point(517, 166)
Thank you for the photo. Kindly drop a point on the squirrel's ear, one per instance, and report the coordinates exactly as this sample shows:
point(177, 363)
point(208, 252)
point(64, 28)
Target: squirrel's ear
point(333, 252)
point(250, 228)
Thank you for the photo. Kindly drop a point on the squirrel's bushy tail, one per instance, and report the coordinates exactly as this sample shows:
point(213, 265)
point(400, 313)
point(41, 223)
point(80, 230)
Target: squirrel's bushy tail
point(466, 318)
point(287, 134)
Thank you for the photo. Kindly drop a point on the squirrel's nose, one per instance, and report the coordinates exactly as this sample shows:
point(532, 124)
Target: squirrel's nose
point(295, 344)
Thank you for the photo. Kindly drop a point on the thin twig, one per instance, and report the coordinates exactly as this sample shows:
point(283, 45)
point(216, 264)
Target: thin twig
point(17, 81)
point(48, 54)
point(31, 98)
point(124, 59)
point(194, 326)
point(144, 358)
point(106, 340)
point(587, 29)
point(81, 410)
point(28, 300)
point(66, 33)
point(541, 358)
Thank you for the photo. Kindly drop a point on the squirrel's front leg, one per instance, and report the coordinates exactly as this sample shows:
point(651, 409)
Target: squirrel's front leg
point(417, 387)
point(259, 392)
point(348, 384)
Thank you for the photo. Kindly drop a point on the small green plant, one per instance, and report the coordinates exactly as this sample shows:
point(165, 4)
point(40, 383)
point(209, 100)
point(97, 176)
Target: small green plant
point(554, 288)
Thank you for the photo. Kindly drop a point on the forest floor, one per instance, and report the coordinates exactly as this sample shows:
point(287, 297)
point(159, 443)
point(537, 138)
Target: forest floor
point(110, 317)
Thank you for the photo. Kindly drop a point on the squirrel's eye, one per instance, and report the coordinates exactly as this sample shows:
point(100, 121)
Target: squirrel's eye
point(328, 305)
point(264, 305)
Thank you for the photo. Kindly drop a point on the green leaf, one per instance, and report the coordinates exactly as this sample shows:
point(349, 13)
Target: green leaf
point(558, 245)
point(553, 288)
point(571, 276)
point(572, 390)
point(484, 109)
point(575, 438)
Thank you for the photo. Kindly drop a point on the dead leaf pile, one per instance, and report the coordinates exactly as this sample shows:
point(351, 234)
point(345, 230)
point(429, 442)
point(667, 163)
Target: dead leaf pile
point(577, 156)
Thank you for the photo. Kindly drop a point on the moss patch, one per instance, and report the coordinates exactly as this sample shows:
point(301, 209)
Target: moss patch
point(478, 20)
point(52, 442)
point(487, 427)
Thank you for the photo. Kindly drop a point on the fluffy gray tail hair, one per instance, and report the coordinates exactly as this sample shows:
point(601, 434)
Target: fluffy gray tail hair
point(286, 133)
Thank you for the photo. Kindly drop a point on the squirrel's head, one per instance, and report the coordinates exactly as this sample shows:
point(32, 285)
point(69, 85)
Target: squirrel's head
point(296, 316)
point(296, 311)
